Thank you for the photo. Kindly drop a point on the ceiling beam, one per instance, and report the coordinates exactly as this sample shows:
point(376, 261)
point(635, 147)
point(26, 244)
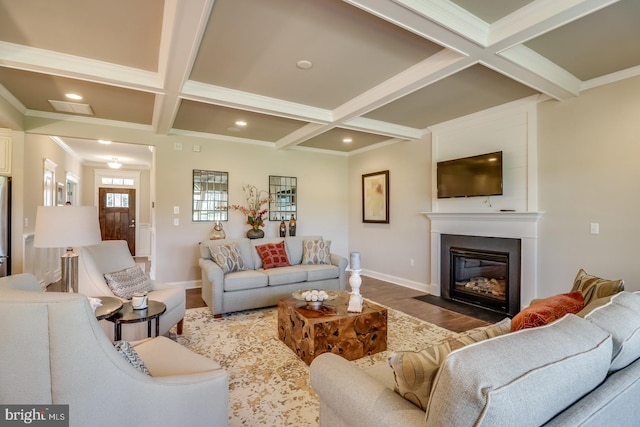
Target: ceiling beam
point(184, 24)
point(432, 69)
point(497, 45)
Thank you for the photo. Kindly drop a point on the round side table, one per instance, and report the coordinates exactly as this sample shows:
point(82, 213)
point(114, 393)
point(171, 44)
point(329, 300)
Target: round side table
point(128, 315)
point(110, 306)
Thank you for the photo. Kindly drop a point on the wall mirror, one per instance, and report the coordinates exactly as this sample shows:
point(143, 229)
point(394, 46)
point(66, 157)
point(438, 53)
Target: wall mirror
point(283, 191)
point(210, 195)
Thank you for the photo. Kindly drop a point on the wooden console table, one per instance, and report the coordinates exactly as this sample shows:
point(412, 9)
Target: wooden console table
point(311, 332)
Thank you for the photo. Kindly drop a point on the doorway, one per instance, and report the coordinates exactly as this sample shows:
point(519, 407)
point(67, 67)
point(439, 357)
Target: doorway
point(117, 214)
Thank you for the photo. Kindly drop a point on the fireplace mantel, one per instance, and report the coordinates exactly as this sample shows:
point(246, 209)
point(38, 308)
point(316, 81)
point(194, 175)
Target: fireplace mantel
point(518, 225)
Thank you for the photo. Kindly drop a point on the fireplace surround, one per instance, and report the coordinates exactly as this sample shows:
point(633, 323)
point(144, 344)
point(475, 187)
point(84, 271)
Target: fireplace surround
point(516, 225)
point(481, 271)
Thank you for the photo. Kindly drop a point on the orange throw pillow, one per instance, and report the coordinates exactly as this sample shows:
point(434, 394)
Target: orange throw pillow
point(547, 310)
point(273, 255)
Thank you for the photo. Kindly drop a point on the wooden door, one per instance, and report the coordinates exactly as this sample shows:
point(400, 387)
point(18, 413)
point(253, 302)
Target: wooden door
point(117, 211)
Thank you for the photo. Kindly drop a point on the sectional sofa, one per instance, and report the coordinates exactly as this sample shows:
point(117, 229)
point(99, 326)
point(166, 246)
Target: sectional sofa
point(234, 276)
point(572, 371)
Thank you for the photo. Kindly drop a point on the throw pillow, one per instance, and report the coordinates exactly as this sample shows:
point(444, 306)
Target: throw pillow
point(548, 310)
point(126, 350)
point(316, 252)
point(273, 255)
point(593, 287)
point(227, 257)
point(415, 371)
point(125, 283)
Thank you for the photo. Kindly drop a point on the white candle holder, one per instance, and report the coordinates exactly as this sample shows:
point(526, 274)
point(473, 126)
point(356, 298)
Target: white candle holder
point(355, 300)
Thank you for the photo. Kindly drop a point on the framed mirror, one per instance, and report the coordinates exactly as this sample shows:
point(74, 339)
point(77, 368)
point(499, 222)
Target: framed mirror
point(283, 191)
point(210, 196)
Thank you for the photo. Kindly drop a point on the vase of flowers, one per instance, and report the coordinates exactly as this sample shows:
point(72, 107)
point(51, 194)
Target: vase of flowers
point(255, 211)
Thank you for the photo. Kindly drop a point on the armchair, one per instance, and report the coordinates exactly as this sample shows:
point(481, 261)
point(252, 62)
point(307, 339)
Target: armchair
point(53, 352)
point(113, 255)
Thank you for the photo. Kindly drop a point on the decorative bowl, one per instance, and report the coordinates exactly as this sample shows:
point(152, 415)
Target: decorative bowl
point(314, 297)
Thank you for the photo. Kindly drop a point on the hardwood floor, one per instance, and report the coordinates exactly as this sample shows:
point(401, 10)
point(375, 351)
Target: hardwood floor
point(396, 297)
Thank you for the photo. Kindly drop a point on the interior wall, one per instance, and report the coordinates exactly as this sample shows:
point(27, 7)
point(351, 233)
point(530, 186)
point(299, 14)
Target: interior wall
point(144, 194)
point(37, 148)
point(322, 197)
point(387, 249)
point(510, 129)
point(28, 155)
point(589, 148)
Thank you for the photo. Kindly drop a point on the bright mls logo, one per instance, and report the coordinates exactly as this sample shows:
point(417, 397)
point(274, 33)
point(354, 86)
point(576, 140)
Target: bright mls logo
point(38, 415)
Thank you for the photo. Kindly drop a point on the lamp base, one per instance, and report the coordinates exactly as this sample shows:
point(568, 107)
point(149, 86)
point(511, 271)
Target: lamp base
point(69, 261)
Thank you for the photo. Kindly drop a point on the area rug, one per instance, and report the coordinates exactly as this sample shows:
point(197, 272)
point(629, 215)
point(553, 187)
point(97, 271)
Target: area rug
point(268, 384)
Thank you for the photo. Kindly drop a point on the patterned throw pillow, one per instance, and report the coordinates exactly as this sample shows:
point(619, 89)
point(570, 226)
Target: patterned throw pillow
point(415, 371)
point(129, 354)
point(126, 282)
point(227, 257)
point(593, 287)
point(548, 310)
point(273, 255)
point(316, 252)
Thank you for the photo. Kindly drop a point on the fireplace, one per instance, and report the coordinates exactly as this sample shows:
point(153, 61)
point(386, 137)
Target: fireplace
point(481, 271)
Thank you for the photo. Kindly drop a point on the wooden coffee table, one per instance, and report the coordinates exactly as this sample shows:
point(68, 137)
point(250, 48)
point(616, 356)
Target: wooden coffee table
point(331, 328)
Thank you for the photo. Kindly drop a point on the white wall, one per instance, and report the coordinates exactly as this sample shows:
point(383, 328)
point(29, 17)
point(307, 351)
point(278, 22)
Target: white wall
point(387, 249)
point(589, 151)
point(322, 197)
point(510, 129)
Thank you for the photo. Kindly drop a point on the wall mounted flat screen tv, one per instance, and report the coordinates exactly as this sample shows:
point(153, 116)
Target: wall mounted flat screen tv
point(470, 176)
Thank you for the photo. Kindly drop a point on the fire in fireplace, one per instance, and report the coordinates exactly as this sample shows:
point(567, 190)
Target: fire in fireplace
point(482, 271)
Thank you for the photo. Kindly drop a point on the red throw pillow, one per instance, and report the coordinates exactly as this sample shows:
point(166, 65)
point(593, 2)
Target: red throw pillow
point(547, 310)
point(273, 255)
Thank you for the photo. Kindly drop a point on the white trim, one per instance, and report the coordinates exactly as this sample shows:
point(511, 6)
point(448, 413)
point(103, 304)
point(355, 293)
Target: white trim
point(423, 287)
point(187, 284)
point(517, 225)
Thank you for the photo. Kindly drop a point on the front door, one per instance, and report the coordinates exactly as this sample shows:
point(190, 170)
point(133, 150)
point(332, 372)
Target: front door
point(117, 210)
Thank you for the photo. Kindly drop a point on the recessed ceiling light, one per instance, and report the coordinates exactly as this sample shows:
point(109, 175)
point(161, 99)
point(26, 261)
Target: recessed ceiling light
point(304, 64)
point(104, 141)
point(347, 140)
point(241, 123)
point(73, 96)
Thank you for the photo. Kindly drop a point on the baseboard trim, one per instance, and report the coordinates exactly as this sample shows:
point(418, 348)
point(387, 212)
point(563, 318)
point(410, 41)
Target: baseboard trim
point(395, 280)
point(188, 284)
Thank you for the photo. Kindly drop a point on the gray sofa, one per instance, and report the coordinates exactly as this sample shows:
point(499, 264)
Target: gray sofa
point(256, 287)
point(572, 372)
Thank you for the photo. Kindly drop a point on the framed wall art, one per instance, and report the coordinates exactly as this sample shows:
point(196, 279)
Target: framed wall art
point(375, 197)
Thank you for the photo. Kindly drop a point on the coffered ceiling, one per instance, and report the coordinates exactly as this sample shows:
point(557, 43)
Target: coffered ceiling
point(372, 70)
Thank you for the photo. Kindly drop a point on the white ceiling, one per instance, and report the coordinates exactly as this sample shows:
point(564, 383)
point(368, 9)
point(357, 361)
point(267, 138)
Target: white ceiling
point(382, 70)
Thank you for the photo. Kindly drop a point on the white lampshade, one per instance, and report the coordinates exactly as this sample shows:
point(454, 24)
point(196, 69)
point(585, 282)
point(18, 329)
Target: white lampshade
point(67, 226)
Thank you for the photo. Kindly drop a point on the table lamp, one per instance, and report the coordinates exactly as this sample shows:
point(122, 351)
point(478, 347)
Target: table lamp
point(67, 227)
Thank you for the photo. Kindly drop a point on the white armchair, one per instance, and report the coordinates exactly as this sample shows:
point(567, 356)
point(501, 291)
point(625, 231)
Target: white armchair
point(113, 255)
point(53, 352)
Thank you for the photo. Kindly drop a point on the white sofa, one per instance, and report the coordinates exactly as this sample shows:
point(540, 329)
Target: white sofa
point(256, 287)
point(572, 372)
point(53, 351)
point(113, 255)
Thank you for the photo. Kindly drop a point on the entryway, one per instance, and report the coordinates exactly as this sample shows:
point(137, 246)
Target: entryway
point(117, 214)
